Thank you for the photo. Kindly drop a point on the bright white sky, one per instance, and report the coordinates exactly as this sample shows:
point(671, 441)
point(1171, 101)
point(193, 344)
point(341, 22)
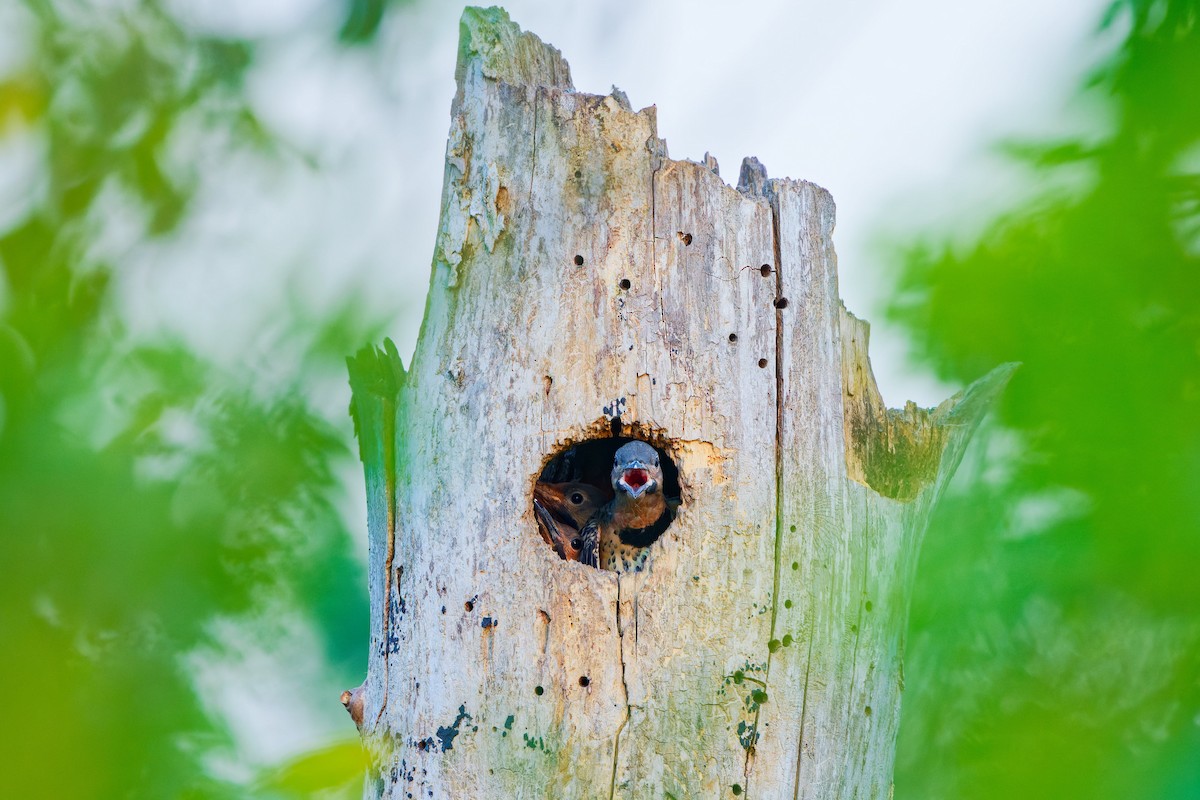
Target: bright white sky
point(890, 104)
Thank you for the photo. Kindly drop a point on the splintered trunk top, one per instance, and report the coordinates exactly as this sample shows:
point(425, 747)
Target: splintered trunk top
point(588, 290)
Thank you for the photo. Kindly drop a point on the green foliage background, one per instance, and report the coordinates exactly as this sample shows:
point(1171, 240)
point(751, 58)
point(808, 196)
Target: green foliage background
point(149, 496)
point(1054, 646)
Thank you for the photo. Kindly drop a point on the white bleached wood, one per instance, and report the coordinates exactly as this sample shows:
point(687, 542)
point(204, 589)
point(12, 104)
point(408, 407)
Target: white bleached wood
point(524, 351)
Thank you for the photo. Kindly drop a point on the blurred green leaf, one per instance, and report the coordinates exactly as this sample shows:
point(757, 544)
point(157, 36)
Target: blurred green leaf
point(22, 99)
point(321, 771)
point(362, 20)
point(1054, 637)
point(145, 493)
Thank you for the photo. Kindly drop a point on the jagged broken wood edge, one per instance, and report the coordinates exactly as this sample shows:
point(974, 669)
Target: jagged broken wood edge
point(896, 452)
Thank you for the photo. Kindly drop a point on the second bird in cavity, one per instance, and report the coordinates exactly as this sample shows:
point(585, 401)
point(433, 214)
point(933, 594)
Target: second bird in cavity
point(562, 510)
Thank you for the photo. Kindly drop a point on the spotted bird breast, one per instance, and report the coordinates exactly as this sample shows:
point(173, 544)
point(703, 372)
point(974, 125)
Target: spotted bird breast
point(617, 556)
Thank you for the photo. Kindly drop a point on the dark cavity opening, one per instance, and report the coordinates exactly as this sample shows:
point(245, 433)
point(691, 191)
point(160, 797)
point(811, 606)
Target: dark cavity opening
point(781, 302)
point(579, 261)
point(765, 270)
point(625, 284)
point(576, 487)
point(762, 362)
point(733, 337)
point(584, 680)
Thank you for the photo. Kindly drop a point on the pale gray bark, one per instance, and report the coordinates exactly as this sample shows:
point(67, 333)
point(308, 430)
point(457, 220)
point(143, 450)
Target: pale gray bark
point(789, 566)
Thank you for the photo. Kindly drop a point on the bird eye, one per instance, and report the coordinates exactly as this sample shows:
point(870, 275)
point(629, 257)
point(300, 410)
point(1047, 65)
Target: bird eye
point(656, 461)
point(577, 544)
point(577, 498)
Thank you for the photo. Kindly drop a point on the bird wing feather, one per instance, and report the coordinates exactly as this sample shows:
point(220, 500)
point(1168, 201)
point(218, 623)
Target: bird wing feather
point(589, 550)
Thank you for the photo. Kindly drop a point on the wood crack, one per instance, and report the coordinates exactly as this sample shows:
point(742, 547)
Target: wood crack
point(803, 716)
point(858, 620)
point(612, 786)
point(777, 254)
point(533, 166)
point(389, 467)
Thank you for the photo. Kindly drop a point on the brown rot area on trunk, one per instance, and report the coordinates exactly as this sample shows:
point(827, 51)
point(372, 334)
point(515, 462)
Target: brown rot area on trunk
point(632, 493)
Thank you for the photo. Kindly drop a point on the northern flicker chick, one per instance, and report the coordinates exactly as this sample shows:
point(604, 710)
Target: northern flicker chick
point(617, 538)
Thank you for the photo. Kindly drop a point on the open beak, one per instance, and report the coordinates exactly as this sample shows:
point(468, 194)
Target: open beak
point(636, 479)
point(547, 526)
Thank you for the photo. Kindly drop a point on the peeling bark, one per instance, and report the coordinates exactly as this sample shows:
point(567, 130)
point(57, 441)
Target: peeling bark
point(585, 283)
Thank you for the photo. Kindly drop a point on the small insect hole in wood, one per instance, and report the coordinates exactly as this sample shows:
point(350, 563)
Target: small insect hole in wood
point(765, 270)
point(781, 302)
point(762, 362)
point(469, 606)
point(605, 501)
point(625, 284)
point(579, 261)
point(584, 681)
point(733, 337)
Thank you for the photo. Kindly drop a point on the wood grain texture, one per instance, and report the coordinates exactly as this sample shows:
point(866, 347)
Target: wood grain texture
point(579, 273)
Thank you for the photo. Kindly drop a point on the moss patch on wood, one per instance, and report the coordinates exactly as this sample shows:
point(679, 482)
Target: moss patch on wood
point(895, 452)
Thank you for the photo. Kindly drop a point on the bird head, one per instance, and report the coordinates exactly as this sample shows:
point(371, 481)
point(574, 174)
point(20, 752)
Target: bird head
point(636, 470)
point(571, 503)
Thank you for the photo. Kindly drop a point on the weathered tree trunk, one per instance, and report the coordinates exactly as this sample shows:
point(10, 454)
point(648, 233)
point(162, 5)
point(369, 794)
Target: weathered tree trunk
point(583, 282)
